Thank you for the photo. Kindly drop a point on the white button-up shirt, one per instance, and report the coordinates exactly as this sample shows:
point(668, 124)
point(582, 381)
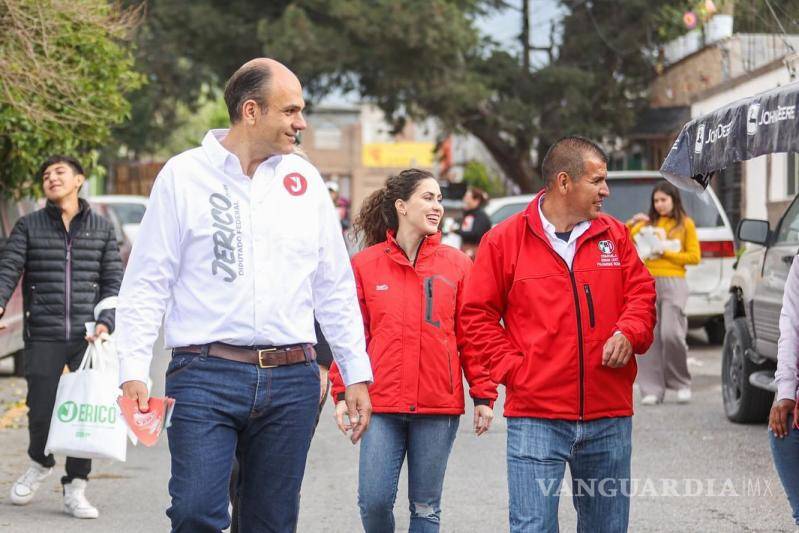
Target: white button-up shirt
point(564, 249)
point(239, 260)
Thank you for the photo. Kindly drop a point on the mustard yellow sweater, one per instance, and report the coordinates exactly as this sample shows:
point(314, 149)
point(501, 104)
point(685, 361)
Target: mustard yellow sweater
point(672, 264)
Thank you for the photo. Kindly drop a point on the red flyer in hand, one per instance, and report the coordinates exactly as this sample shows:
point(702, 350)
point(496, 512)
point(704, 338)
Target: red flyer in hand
point(147, 427)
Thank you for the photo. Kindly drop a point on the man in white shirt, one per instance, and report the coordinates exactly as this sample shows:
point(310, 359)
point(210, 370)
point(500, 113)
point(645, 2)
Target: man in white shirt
point(241, 247)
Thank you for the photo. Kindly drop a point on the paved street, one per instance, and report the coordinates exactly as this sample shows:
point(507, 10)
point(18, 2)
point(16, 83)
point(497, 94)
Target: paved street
point(723, 477)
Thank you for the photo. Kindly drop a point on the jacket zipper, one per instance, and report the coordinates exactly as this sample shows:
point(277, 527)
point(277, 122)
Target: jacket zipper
point(68, 286)
point(590, 301)
point(449, 365)
point(579, 325)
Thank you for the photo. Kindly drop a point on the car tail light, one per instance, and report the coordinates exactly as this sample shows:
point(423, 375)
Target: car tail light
point(717, 249)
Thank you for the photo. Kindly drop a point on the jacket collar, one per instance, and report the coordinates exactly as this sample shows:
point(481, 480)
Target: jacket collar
point(55, 212)
point(426, 248)
point(533, 220)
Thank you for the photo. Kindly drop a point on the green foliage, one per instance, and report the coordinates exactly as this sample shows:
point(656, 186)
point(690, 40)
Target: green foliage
point(477, 175)
point(184, 46)
point(64, 71)
point(193, 121)
point(427, 59)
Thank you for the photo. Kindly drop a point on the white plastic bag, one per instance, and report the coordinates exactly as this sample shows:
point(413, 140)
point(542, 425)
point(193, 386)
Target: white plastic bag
point(86, 419)
point(651, 245)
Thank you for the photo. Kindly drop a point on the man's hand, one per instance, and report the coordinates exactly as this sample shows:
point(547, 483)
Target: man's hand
point(323, 383)
point(136, 390)
point(778, 417)
point(359, 410)
point(617, 351)
point(99, 331)
point(483, 415)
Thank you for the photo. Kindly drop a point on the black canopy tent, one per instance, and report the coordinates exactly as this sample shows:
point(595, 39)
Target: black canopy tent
point(762, 124)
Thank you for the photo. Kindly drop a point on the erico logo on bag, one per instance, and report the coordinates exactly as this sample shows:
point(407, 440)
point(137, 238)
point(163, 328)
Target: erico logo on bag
point(85, 412)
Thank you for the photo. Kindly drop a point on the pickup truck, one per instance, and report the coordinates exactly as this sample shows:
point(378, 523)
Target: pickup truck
point(752, 315)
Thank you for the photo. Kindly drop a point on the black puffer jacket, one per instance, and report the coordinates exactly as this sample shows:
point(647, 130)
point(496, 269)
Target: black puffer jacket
point(65, 274)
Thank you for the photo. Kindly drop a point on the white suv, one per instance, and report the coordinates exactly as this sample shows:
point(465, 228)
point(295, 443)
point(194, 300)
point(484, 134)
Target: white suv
point(709, 281)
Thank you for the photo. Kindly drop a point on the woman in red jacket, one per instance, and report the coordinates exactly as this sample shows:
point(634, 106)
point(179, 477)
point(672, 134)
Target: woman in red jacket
point(409, 287)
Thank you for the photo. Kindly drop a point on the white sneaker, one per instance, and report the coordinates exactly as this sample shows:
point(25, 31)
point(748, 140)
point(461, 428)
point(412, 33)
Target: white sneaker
point(649, 399)
point(25, 487)
point(75, 502)
point(683, 395)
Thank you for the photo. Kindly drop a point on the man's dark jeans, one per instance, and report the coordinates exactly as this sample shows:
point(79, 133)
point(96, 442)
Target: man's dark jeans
point(44, 364)
point(222, 408)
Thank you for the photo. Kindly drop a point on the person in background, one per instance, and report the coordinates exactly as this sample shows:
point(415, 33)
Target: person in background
point(70, 260)
point(410, 287)
point(342, 204)
point(665, 364)
point(783, 432)
point(475, 221)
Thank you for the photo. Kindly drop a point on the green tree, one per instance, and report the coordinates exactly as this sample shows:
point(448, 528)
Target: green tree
point(64, 71)
point(477, 175)
point(183, 47)
point(419, 59)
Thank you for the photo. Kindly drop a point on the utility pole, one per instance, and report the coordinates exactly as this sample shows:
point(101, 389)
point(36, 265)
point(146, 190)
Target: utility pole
point(525, 36)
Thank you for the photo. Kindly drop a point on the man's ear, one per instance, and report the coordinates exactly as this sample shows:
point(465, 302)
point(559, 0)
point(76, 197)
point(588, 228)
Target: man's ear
point(81, 180)
point(562, 181)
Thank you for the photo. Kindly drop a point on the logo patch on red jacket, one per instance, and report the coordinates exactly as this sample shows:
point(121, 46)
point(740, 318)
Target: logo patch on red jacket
point(609, 258)
point(382, 287)
point(606, 247)
point(295, 183)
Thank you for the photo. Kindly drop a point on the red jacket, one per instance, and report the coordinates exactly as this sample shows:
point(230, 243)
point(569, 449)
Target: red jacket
point(410, 315)
point(556, 321)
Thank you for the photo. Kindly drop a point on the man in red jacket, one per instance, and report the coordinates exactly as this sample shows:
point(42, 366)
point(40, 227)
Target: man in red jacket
point(557, 304)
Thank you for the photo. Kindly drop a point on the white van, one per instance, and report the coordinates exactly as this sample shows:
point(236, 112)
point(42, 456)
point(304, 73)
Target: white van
point(709, 281)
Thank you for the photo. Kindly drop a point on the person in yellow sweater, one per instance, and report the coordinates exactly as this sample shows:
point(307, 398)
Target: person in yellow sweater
point(665, 365)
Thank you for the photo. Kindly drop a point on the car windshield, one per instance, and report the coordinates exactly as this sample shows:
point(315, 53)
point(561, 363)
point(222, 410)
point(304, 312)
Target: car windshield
point(631, 196)
point(128, 213)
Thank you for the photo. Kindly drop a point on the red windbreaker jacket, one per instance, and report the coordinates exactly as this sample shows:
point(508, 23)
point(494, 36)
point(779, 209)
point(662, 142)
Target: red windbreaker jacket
point(556, 320)
point(410, 314)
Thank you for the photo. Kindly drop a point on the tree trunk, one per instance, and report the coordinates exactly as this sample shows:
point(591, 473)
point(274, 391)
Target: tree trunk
point(515, 161)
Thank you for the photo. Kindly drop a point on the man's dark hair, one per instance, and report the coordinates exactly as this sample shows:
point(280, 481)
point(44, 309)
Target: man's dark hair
point(53, 159)
point(247, 83)
point(567, 155)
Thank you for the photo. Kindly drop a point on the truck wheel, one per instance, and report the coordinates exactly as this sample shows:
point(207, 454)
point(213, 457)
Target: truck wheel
point(715, 330)
point(743, 402)
point(19, 363)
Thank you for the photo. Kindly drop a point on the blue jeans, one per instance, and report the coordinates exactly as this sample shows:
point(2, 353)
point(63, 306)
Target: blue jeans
point(427, 439)
point(786, 461)
point(598, 454)
point(268, 413)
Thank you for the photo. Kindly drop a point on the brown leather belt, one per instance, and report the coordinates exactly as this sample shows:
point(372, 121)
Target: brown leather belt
point(270, 357)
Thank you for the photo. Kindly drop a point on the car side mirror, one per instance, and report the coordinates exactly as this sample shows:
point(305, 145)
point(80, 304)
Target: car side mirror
point(751, 230)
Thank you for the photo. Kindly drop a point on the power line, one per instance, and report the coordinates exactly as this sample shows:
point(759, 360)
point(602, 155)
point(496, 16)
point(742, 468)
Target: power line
point(788, 64)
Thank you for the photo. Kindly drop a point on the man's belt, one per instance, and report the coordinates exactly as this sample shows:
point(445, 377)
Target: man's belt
point(269, 357)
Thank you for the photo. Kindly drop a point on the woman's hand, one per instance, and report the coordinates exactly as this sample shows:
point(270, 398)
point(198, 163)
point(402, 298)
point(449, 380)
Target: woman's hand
point(778, 417)
point(342, 419)
point(483, 415)
point(639, 217)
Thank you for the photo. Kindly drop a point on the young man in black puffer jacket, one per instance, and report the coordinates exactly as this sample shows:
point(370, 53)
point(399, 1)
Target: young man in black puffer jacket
point(70, 260)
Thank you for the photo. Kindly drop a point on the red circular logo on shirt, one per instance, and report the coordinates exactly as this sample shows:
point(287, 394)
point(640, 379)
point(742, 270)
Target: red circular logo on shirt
point(295, 184)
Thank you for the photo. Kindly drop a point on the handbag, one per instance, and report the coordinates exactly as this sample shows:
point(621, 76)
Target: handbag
point(86, 420)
